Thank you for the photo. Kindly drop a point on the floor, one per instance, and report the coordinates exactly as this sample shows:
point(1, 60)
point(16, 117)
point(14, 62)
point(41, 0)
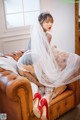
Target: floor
point(73, 114)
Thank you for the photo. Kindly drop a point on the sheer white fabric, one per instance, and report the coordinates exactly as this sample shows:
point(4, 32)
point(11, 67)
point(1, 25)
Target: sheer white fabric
point(8, 63)
point(46, 67)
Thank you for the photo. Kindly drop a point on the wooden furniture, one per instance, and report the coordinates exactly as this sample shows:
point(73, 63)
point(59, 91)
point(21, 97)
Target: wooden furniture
point(77, 29)
point(16, 96)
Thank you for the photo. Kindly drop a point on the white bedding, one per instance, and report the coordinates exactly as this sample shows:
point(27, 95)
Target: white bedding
point(8, 63)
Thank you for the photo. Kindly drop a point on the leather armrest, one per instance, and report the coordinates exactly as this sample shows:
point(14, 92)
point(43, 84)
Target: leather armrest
point(13, 86)
point(10, 84)
point(74, 85)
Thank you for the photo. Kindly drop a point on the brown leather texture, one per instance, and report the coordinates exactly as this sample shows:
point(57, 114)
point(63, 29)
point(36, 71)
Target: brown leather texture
point(16, 96)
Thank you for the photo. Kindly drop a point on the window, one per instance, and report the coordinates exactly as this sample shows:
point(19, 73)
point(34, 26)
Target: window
point(20, 13)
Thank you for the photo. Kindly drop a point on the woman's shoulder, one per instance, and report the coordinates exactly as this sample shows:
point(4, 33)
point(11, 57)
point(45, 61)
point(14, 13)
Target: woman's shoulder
point(49, 36)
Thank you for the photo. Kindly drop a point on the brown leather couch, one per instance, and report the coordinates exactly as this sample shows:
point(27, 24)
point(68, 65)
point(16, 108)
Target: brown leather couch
point(16, 96)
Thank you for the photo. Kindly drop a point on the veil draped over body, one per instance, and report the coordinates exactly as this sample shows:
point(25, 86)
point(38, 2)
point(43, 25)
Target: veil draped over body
point(46, 67)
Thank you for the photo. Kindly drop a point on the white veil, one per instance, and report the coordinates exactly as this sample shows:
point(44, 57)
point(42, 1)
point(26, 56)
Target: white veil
point(46, 68)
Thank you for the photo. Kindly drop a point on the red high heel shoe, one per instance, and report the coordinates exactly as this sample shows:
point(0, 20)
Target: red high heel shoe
point(44, 108)
point(36, 107)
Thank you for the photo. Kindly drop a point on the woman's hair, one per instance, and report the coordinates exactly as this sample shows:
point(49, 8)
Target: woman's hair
point(44, 16)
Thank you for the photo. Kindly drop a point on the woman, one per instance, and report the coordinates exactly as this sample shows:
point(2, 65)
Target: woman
point(53, 68)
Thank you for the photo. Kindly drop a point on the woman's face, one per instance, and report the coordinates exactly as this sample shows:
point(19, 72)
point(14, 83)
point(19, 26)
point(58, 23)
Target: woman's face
point(47, 24)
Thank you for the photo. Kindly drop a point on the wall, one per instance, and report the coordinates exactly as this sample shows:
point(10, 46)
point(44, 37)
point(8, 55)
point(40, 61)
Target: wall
point(64, 22)
point(63, 28)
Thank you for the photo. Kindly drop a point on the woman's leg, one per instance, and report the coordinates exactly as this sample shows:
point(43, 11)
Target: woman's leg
point(45, 102)
point(34, 88)
point(36, 100)
point(50, 93)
